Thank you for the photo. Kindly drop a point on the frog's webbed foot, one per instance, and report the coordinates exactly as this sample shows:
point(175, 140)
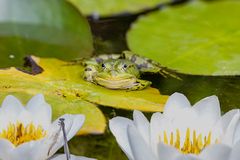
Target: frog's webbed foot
point(165, 72)
point(140, 84)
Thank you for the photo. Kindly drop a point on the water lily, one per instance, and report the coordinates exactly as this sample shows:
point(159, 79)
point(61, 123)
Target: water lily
point(28, 133)
point(181, 132)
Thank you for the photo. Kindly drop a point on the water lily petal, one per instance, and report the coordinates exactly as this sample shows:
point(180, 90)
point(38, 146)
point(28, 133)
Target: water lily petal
point(155, 128)
point(227, 118)
point(235, 154)
point(32, 150)
point(167, 152)
point(237, 134)
point(118, 127)
point(41, 110)
point(6, 147)
point(78, 121)
point(142, 125)
point(228, 137)
point(63, 157)
point(29, 150)
point(186, 118)
point(12, 103)
point(157, 125)
point(208, 105)
point(25, 117)
point(216, 152)
point(188, 157)
point(11, 107)
point(220, 127)
point(208, 109)
point(140, 149)
point(175, 102)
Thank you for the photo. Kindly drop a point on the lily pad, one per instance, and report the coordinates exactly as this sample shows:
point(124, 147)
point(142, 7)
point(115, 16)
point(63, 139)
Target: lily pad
point(111, 7)
point(63, 79)
point(200, 38)
point(46, 28)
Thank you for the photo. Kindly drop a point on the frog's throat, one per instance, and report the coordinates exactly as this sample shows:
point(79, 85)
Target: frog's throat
point(116, 82)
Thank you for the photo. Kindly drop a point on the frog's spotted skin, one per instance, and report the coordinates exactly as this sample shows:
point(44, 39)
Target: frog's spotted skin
point(120, 71)
point(147, 65)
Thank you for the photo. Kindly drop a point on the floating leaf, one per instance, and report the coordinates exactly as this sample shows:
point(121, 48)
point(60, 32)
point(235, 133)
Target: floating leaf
point(46, 28)
point(110, 7)
point(197, 38)
point(64, 80)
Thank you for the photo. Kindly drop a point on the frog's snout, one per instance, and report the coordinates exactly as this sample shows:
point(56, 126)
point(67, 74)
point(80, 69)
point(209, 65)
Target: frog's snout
point(114, 73)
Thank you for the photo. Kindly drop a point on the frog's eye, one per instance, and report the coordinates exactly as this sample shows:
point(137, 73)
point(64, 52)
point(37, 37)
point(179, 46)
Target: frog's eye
point(103, 65)
point(125, 66)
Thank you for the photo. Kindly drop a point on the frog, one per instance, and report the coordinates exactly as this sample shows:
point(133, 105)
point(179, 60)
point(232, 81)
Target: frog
point(122, 71)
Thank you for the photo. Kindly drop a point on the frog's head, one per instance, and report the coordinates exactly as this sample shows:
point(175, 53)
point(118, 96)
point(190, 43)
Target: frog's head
point(116, 74)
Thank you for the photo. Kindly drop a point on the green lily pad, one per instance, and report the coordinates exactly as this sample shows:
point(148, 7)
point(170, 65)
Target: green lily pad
point(46, 28)
point(111, 7)
point(197, 38)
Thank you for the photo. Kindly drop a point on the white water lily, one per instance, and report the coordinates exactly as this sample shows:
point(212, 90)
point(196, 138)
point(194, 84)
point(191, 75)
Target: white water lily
point(181, 132)
point(28, 133)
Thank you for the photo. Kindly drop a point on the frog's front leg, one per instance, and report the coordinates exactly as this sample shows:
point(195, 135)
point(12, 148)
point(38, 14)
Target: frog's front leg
point(89, 72)
point(140, 84)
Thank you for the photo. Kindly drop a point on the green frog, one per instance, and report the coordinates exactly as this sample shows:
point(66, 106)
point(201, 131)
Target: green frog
point(122, 71)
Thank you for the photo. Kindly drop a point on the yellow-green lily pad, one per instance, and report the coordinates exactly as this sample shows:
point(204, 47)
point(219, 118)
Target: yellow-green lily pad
point(200, 38)
point(112, 7)
point(64, 80)
point(47, 28)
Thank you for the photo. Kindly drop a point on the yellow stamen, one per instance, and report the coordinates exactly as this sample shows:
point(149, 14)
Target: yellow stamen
point(193, 143)
point(171, 139)
point(177, 143)
point(19, 134)
point(165, 137)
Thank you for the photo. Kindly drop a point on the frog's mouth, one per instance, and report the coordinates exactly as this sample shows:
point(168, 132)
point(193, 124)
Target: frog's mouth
point(116, 82)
